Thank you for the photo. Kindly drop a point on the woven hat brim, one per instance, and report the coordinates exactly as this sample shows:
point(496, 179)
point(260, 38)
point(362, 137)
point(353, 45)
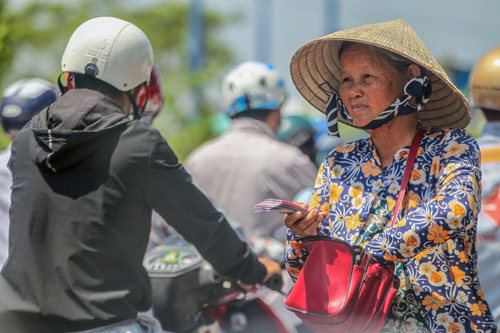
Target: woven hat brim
point(315, 68)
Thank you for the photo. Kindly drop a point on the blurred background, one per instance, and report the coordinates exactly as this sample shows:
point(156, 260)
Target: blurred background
point(196, 42)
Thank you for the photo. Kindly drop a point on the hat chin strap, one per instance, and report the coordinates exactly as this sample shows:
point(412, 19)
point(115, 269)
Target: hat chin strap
point(419, 87)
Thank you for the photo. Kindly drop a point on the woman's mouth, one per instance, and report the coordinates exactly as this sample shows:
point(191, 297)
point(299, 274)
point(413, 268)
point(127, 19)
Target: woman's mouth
point(358, 107)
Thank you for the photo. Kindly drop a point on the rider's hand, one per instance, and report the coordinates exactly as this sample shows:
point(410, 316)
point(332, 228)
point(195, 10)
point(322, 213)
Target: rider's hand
point(303, 226)
point(247, 287)
point(272, 267)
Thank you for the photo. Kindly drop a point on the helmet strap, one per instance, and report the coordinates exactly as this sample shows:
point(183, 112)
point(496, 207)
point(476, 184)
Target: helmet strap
point(136, 111)
point(63, 89)
point(69, 82)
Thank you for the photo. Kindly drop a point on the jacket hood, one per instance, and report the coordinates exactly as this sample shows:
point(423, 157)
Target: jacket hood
point(72, 128)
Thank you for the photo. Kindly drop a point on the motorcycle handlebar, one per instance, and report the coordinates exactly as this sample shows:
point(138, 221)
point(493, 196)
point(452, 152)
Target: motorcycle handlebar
point(275, 282)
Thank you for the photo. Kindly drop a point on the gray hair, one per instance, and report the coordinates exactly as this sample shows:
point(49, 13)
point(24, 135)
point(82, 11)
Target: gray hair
point(397, 61)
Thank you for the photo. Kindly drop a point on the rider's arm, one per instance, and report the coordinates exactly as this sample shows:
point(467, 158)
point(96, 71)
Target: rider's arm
point(172, 194)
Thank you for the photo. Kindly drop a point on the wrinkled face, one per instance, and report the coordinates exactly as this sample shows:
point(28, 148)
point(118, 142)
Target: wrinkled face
point(368, 83)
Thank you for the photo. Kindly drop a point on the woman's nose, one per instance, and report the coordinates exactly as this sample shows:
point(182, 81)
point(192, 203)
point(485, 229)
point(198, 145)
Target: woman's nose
point(354, 90)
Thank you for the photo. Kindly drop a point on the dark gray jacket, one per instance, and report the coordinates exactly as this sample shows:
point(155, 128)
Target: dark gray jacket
point(85, 181)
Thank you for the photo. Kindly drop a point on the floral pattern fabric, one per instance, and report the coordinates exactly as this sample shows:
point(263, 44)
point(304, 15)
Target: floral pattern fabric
point(405, 315)
point(434, 237)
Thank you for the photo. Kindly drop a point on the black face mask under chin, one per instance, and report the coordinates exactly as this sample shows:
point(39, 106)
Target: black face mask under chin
point(419, 87)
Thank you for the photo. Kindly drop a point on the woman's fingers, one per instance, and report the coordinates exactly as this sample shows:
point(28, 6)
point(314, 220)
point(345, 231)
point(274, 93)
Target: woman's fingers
point(304, 226)
point(315, 219)
point(291, 219)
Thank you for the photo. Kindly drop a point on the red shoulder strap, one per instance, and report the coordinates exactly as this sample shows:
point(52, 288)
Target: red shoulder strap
point(408, 169)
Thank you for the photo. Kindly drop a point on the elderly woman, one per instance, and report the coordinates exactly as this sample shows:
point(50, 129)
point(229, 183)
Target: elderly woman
point(382, 79)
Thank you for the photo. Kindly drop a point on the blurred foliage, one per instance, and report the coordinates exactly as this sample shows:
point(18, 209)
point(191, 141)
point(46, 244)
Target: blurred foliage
point(36, 34)
point(6, 55)
point(5, 39)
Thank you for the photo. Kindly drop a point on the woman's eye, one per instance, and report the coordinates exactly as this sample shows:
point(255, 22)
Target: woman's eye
point(346, 79)
point(366, 76)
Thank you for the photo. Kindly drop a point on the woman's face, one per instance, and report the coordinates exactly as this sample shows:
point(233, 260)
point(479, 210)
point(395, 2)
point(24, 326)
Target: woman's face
point(368, 84)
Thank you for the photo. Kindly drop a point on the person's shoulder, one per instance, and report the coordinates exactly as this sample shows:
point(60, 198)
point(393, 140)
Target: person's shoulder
point(288, 155)
point(449, 132)
point(142, 139)
point(447, 135)
point(352, 147)
point(141, 126)
point(205, 149)
point(283, 147)
point(142, 131)
point(452, 143)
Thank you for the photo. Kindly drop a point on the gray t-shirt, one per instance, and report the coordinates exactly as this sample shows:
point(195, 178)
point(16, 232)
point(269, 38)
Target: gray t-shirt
point(247, 165)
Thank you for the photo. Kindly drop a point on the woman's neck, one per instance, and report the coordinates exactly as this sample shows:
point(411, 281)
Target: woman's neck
point(392, 137)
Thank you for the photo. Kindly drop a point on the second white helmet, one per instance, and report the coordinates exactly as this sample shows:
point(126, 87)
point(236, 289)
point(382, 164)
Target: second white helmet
point(112, 50)
point(253, 86)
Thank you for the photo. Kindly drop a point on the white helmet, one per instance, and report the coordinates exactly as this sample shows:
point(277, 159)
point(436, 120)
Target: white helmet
point(112, 50)
point(253, 86)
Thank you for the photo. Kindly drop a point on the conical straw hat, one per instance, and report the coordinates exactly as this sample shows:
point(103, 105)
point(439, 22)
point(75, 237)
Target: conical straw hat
point(316, 66)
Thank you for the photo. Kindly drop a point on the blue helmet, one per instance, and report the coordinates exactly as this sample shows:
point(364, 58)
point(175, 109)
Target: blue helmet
point(24, 99)
point(253, 85)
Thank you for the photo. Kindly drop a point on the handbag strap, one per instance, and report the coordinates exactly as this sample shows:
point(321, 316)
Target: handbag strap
point(408, 169)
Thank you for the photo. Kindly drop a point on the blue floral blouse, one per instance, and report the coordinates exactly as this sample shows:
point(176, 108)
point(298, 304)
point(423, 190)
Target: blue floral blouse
point(435, 232)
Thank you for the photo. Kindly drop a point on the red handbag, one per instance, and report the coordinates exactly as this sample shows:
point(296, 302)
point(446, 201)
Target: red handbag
point(341, 287)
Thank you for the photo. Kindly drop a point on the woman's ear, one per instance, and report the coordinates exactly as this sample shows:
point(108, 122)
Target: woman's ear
point(414, 71)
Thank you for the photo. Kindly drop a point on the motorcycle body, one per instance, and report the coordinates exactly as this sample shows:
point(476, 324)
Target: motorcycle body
point(190, 296)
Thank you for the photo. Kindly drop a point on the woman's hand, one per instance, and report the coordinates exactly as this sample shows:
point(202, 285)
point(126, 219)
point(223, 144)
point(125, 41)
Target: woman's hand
point(303, 226)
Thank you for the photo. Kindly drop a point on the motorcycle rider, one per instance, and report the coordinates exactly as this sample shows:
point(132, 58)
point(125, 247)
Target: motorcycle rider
point(484, 87)
point(20, 102)
point(248, 164)
point(299, 132)
point(160, 230)
point(85, 181)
